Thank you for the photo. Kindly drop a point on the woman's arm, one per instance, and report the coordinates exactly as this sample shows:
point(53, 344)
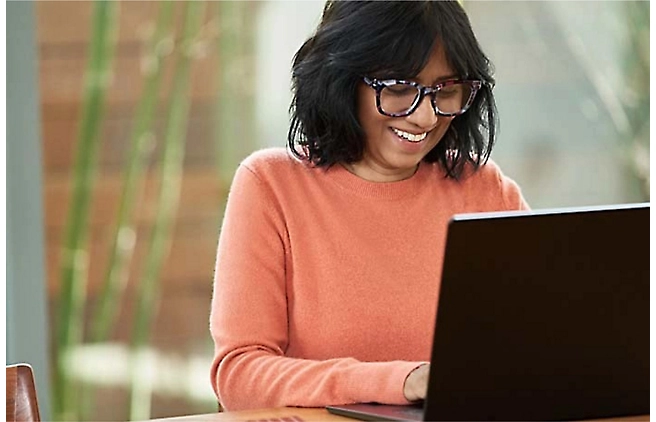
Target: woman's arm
point(249, 322)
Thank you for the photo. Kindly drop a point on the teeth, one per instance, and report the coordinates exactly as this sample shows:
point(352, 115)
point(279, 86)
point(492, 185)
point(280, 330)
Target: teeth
point(409, 136)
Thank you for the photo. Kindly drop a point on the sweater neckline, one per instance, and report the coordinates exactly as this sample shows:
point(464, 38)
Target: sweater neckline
point(380, 190)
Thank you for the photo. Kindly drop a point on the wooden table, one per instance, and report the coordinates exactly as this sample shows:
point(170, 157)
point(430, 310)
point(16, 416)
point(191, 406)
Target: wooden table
point(283, 414)
point(296, 414)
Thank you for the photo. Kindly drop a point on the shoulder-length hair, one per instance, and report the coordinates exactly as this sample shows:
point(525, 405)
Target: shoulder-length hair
point(394, 40)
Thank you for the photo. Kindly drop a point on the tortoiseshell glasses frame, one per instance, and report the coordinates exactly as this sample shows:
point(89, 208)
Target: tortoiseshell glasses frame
point(413, 94)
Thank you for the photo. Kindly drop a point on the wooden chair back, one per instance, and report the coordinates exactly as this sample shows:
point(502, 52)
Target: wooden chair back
point(21, 394)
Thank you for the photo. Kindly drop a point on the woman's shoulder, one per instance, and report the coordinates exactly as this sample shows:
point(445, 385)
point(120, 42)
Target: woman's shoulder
point(272, 161)
point(482, 176)
point(484, 187)
point(487, 173)
point(273, 156)
point(489, 181)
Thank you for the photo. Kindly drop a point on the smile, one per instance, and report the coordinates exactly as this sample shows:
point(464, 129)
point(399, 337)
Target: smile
point(410, 137)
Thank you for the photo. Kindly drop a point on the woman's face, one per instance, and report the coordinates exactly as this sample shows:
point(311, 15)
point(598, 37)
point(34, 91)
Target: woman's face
point(388, 156)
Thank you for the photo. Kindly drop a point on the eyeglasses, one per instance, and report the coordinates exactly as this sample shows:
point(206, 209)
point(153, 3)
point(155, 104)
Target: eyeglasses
point(398, 98)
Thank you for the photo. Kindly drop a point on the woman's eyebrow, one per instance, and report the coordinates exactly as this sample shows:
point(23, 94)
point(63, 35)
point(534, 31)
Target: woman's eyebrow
point(445, 78)
point(439, 79)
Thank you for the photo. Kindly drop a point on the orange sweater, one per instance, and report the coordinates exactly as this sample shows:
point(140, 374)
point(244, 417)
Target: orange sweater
point(326, 285)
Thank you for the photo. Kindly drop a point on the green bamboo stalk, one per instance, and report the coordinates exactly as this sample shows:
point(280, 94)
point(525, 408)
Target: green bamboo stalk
point(122, 247)
point(231, 99)
point(141, 138)
point(171, 176)
point(235, 94)
point(74, 262)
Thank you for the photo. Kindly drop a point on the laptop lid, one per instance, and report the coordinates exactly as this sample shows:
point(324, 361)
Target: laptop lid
point(543, 315)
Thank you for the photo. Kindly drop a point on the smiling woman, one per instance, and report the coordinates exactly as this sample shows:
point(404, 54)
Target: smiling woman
point(390, 137)
point(424, 43)
point(402, 127)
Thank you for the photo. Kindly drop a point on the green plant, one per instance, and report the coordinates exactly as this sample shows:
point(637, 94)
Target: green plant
point(74, 263)
point(171, 175)
point(159, 45)
point(141, 142)
point(235, 84)
point(70, 402)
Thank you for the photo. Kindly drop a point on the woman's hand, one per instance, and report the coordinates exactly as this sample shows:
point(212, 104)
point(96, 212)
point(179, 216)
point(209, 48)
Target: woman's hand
point(416, 383)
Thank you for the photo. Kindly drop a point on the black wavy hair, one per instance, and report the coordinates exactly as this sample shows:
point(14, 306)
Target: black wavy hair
point(389, 40)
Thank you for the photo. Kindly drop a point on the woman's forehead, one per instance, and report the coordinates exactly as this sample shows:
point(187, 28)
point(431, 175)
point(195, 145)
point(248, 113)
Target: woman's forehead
point(437, 68)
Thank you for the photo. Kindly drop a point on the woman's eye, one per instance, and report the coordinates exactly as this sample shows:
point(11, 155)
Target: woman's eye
point(447, 92)
point(401, 89)
point(450, 91)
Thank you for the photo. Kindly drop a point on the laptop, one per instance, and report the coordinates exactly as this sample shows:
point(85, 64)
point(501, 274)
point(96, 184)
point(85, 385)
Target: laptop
point(542, 315)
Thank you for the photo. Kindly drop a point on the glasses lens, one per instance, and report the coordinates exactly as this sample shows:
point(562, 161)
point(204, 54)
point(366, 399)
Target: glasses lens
point(398, 98)
point(453, 98)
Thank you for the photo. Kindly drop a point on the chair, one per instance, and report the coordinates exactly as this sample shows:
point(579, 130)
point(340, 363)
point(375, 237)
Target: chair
point(21, 394)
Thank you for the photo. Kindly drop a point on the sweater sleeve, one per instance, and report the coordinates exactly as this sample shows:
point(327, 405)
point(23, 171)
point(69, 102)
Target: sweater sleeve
point(511, 194)
point(249, 323)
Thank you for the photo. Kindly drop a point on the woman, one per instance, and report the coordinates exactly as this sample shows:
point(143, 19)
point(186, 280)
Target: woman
point(330, 254)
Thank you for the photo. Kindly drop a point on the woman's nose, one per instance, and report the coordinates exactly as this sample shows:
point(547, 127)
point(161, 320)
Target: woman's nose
point(424, 115)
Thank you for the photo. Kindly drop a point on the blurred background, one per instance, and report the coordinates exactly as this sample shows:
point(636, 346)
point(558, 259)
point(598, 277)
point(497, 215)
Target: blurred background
point(127, 119)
